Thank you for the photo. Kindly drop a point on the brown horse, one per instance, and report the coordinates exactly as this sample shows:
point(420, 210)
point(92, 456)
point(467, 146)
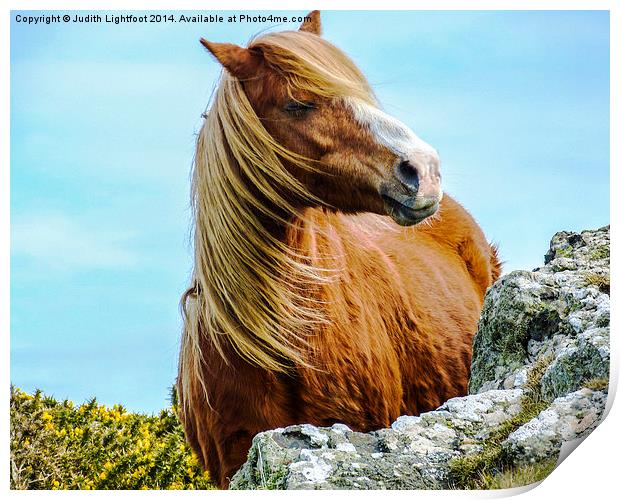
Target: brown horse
point(318, 295)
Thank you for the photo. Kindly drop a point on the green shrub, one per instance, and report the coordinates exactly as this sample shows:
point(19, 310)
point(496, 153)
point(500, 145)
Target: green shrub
point(57, 445)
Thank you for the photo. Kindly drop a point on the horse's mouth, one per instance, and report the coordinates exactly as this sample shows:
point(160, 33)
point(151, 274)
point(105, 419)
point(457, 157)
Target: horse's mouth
point(403, 213)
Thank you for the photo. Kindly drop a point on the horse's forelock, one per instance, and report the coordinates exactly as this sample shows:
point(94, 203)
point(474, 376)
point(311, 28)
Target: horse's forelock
point(309, 62)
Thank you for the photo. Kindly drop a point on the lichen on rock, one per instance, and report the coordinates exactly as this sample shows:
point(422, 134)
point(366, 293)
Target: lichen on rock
point(539, 377)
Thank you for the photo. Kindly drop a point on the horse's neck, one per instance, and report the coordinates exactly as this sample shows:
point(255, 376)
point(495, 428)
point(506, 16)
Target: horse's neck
point(312, 235)
point(341, 243)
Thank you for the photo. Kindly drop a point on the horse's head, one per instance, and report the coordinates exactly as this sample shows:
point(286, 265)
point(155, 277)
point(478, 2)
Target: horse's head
point(315, 103)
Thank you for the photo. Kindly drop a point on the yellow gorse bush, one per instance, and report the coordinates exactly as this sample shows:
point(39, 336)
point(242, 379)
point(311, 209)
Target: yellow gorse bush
point(56, 445)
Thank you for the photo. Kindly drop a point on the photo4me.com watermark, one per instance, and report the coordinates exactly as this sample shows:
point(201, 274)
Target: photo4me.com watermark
point(157, 17)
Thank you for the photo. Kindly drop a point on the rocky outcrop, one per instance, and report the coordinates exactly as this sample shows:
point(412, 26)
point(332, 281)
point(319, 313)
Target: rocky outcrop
point(539, 378)
point(560, 310)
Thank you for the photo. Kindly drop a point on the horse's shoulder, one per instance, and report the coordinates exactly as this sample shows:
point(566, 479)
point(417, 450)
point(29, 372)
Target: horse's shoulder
point(455, 227)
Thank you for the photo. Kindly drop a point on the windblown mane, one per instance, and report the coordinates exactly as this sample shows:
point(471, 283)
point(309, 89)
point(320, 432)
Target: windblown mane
point(250, 289)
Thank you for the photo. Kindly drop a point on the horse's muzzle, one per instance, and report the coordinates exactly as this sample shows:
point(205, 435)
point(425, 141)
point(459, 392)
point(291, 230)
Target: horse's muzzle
point(413, 193)
point(407, 208)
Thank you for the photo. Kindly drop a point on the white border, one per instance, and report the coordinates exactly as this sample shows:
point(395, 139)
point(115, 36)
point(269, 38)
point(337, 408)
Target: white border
point(590, 472)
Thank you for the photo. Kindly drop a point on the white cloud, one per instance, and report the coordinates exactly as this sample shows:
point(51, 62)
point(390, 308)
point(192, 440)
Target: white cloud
point(57, 241)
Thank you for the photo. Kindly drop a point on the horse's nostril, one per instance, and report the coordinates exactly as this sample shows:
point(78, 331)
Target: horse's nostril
point(408, 175)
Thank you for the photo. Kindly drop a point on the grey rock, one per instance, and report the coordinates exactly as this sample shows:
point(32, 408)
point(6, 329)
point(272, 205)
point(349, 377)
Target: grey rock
point(543, 336)
point(552, 311)
point(414, 453)
point(568, 418)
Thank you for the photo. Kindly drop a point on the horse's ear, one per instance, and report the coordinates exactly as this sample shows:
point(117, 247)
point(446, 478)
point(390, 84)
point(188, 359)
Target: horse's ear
point(239, 62)
point(312, 23)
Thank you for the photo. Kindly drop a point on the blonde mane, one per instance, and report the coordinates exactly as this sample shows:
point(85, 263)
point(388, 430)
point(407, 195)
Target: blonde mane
point(251, 290)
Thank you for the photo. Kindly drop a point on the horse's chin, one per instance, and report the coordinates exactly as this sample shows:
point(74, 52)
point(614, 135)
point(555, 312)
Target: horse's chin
point(404, 215)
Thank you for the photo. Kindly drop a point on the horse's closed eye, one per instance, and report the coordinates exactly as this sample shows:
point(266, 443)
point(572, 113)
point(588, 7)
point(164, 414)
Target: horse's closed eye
point(298, 108)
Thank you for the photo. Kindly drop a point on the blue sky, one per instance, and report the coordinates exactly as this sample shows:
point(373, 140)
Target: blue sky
point(103, 123)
